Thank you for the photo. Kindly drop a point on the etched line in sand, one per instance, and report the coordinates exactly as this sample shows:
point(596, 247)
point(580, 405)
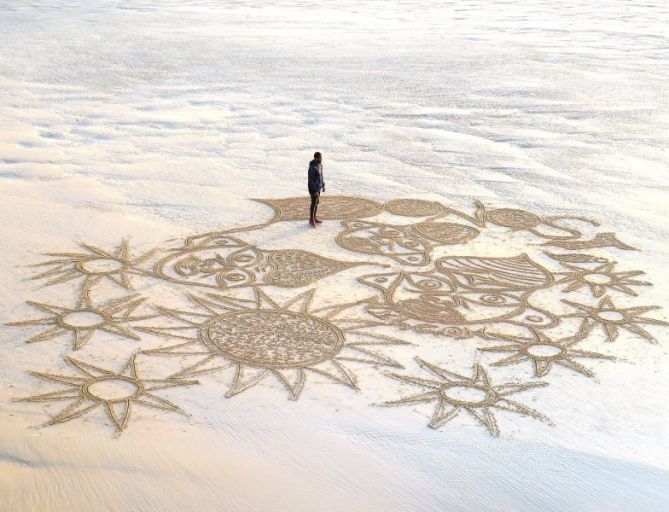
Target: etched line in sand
point(93, 266)
point(612, 318)
point(476, 395)
point(83, 321)
point(115, 392)
point(600, 279)
point(544, 352)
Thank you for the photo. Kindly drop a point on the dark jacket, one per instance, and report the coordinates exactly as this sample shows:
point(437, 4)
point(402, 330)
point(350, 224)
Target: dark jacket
point(316, 182)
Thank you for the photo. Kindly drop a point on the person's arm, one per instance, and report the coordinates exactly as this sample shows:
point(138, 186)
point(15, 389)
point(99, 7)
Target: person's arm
point(322, 179)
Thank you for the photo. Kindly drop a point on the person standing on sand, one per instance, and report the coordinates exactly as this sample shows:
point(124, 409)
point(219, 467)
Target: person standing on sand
point(316, 185)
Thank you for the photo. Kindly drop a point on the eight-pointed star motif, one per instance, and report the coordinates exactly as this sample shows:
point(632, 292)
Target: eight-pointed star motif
point(544, 352)
point(262, 338)
point(613, 318)
point(93, 265)
point(84, 320)
point(475, 395)
point(599, 279)
point(115, 392)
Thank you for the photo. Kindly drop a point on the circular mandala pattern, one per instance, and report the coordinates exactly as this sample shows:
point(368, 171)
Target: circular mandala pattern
point(273, 339)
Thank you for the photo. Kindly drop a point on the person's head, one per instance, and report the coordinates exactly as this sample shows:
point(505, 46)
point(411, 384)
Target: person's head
point(318, 157)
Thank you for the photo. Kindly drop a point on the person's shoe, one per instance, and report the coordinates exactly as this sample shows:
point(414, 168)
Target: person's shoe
point(318, 221)
point(312, 223)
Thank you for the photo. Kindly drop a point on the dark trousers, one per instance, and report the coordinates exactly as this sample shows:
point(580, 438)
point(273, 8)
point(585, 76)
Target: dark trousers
point(315, 196)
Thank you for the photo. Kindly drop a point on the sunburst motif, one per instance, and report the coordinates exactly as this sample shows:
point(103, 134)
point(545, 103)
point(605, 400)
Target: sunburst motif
point(115, 392)
point(84, 320)
point(599, 279)
point(476, 395)
point(93, 265)
point(262, 338)
point(544, 352)
point(613, 318)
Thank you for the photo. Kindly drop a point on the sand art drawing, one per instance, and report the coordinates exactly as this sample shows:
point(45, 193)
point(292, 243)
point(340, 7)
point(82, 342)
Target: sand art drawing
point(115, 392)
point(92, 266)
point(476, 395)
point(433, 283)
point(262, 338)
point(544, 352)
point(463, 291)
point(415, 208)
point(522, 220)
point(228, 262)
point(409, 245)
point(613, 318)
point(600, 240)
point(332, 208)
point(599, 279)
point(81, 323)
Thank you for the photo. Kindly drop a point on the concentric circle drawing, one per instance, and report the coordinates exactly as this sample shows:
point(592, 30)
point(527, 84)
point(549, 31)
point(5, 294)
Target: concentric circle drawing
point(440, 282)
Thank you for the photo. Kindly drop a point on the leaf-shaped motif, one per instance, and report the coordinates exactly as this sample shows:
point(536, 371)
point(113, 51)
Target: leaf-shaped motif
point(295, 268)
point(329, 208)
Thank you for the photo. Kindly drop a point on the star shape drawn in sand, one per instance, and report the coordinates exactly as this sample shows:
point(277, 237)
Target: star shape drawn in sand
point(85, 320)
point(599, 279)
point(115, 392)
point(476, 395)
point(544, 352)
point(613, 318)
point(93, 266)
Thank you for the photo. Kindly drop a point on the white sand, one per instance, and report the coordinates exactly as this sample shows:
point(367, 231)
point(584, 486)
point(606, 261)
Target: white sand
point(157, 120)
